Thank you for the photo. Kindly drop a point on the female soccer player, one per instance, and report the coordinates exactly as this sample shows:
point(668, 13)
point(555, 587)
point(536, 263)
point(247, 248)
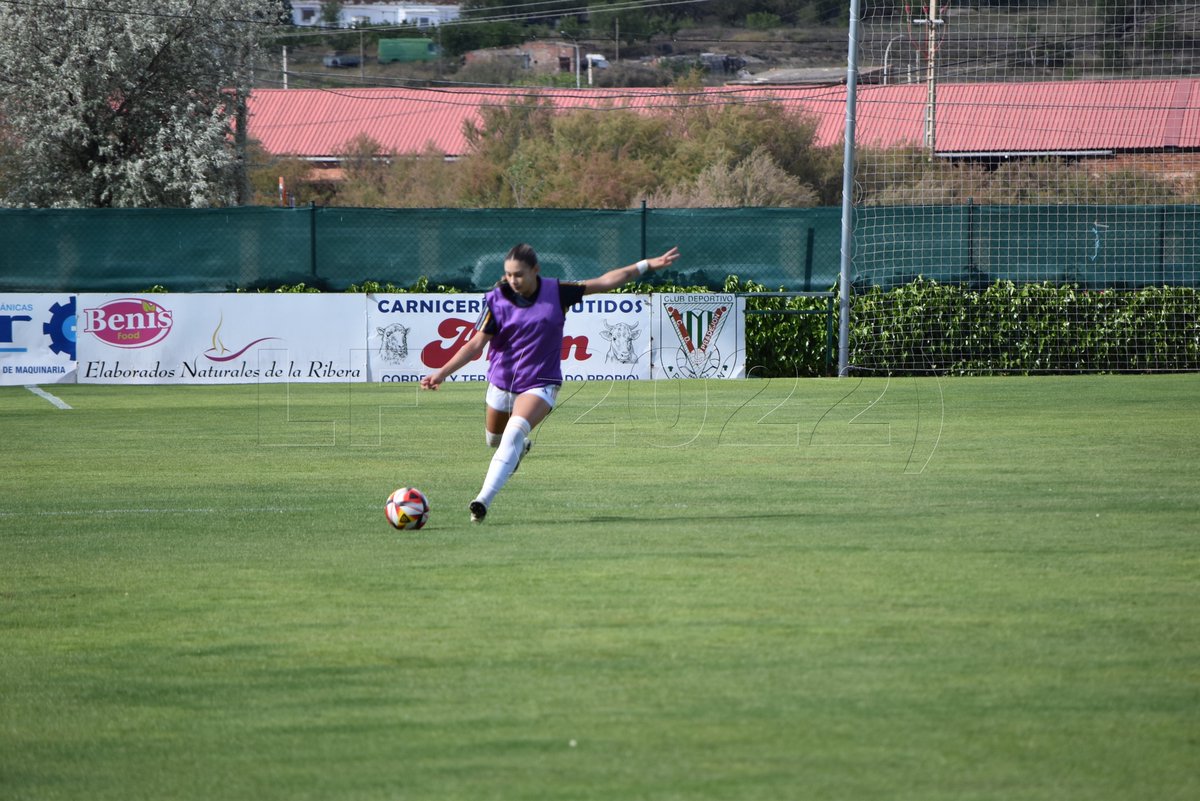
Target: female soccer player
point(523, 321)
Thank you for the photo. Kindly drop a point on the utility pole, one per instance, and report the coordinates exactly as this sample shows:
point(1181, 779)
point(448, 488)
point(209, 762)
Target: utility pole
point(574, 41)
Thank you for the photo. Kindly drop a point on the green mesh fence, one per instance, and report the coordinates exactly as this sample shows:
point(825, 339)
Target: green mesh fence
point(214, 250)
point(102, 250)
point(186, 250)
point(1096, 247)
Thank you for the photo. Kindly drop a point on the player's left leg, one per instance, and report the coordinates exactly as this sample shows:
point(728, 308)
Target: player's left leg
point(529, 409)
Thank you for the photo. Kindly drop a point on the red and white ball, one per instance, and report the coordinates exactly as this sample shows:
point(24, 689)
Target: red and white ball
point(407, 508)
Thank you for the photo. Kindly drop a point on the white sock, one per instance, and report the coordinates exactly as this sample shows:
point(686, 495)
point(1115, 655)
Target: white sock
point(504, 461)
point(493, 440)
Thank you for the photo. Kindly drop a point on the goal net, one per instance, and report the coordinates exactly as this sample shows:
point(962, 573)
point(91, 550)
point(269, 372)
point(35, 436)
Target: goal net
point(1026, 187)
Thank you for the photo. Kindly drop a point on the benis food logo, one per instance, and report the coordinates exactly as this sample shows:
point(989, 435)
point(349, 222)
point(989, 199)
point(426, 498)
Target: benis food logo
point(128, 322)
point(219, 353)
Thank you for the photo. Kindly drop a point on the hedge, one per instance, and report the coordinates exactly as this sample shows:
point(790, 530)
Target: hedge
point(925, 326)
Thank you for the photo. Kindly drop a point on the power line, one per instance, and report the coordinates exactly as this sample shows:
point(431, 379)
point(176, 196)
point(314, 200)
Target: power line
point(453, 95)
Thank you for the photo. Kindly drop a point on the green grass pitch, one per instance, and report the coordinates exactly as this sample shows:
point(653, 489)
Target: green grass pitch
point(919, 589)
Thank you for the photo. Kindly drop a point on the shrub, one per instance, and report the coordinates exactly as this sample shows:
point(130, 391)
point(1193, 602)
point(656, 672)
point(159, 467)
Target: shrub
point(762, 21)
point(925, 326)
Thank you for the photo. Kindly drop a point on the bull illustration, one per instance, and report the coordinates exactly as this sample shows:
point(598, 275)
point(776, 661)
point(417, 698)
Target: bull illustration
point(620, 338)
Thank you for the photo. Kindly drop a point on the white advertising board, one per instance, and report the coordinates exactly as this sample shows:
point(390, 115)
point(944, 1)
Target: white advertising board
point(247, 338)
point(37, 339)
point(699, 336)
point(606, 337)
point(220, 338)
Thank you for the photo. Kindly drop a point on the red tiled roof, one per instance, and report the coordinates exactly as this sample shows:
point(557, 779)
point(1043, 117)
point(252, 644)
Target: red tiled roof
point(1067, 116)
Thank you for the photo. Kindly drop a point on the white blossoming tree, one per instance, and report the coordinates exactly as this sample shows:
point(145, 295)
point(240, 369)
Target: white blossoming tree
point(132, 104)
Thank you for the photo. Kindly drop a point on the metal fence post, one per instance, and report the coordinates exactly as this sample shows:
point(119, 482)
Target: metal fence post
point(644, 214)
point(848, 194)
point(312, 237)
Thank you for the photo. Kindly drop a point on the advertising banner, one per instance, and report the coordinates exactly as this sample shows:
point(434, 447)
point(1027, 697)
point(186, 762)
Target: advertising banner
point(37, 339)
point(220, 338)
point(311, 337)
point(699, 336)
point(606, 337)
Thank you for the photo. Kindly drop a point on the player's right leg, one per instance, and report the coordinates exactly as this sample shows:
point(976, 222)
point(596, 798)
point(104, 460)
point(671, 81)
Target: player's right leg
point(497, 409)
point(495, 418)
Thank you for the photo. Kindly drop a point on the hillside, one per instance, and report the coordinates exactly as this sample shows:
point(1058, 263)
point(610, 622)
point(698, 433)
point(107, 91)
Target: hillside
point(753, 51)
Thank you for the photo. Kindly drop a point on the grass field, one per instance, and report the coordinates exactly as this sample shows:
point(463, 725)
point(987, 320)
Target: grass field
point(826, 589)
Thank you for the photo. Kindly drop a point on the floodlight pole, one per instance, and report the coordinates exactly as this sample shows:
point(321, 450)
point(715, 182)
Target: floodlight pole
point(934, 24)
point(847, 260)
point(887, 58)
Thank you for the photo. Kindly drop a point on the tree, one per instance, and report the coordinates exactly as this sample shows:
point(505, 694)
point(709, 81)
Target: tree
point(131, 105)
point(458, 39)
point(331, 13)
point(629, 24)
point(757, 180)
point(493, 144)
point(530, 154)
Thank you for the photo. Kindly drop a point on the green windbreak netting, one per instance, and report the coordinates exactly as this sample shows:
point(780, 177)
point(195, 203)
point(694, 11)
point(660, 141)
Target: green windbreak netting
point(185, 250)
point(1092, 246)
point(81, 250)
point(213, 250)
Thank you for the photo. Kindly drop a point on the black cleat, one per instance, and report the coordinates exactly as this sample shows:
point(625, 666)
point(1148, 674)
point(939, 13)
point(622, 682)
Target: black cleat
point(478, 511)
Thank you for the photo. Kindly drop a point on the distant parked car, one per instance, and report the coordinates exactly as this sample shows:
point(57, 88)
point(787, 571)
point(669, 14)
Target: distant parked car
point(489, 268)
point(342, 61)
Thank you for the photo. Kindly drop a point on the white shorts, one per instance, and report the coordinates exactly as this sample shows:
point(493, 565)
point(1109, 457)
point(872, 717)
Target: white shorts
point(502, 400)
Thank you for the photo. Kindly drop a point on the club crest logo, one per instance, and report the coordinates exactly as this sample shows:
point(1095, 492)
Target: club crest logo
point(698, 327)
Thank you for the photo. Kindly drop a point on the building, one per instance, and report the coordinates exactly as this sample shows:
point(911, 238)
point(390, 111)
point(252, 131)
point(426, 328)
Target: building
point(1152, 122)
point(307, 13)
point(538, 56)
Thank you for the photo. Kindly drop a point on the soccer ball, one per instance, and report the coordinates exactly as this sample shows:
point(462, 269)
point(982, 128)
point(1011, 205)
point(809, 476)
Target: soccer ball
point(407, 508)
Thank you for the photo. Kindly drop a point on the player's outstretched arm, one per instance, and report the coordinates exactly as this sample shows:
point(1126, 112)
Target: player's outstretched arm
point(623, 275)
point(466, 353)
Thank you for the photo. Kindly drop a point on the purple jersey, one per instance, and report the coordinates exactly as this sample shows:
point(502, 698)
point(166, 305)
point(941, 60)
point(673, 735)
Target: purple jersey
point(526, 347)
